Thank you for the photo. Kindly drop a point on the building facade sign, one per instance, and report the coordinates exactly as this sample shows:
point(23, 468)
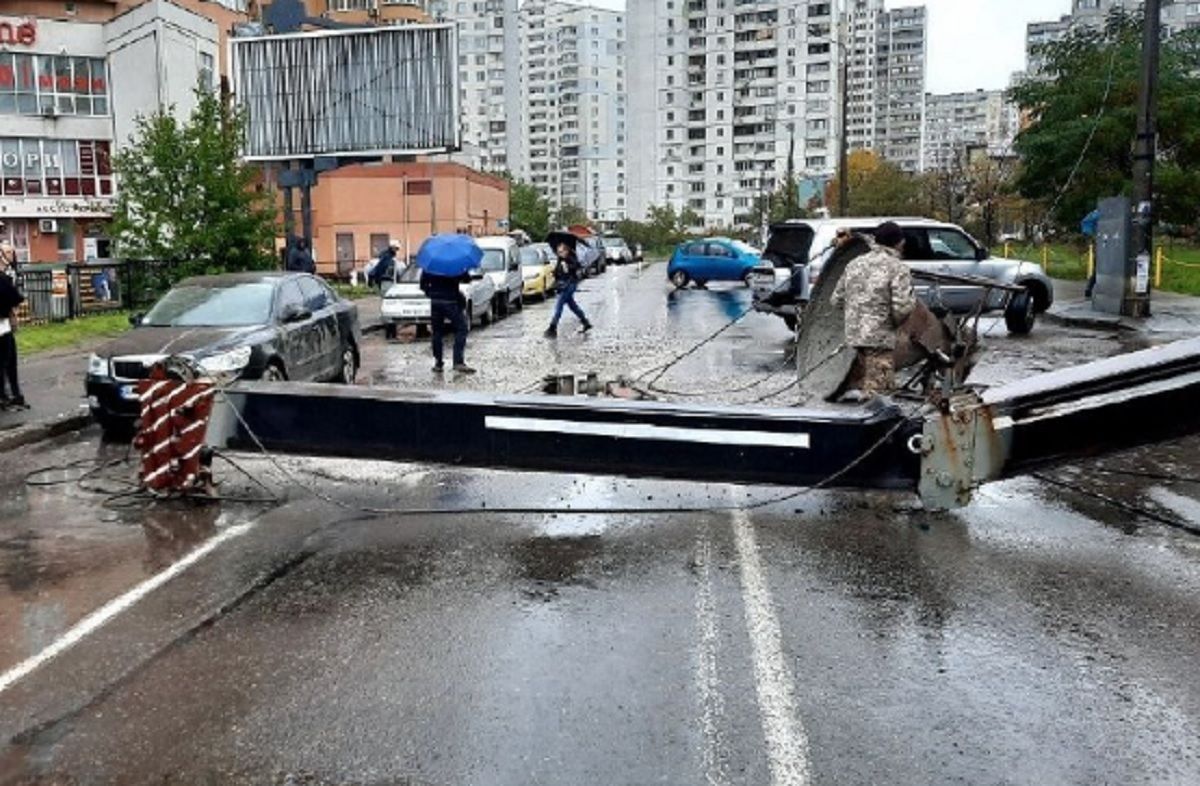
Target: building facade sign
point(18, 33)
point(55, 168)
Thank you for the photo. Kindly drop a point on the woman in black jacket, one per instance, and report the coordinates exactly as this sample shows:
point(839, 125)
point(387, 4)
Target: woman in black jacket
point(567, 274)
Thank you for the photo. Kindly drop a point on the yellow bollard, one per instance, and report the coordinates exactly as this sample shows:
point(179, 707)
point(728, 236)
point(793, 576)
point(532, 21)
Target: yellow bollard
point(1158, 264)
point(1007, 250)
point(1046, 258)
point(1091, 263)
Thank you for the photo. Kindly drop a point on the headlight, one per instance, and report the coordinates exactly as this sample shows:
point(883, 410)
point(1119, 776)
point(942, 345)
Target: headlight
point(227, 362)
point(98, 366)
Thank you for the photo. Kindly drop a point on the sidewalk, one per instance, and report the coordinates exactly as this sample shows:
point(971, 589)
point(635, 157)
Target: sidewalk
point(1170, 313)
point(52, 383)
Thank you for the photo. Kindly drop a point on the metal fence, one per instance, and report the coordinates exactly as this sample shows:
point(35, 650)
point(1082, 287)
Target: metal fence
point(53, 294)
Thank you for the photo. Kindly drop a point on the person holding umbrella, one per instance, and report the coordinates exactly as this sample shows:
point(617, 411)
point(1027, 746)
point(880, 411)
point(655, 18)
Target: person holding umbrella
point(567, 274)
point(446, 261)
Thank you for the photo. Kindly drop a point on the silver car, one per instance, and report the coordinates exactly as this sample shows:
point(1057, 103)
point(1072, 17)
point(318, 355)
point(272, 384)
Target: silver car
point(405, 304)
point(797, 250)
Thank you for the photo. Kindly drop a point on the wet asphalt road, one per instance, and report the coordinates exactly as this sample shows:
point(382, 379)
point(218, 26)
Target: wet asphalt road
point(1038, 636)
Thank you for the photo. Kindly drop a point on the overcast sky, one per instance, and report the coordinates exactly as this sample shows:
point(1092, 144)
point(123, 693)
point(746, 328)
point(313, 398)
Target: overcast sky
point(979, 43)
point(972, 43)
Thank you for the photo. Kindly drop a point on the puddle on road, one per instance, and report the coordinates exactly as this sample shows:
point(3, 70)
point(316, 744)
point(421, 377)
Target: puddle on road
point(63, 553)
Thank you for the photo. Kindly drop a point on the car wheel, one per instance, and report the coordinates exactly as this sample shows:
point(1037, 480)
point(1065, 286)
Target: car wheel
point(274, 372)
point(1019, 316)
point(748, 278)
point(349, 366)
point(489, 315)
point(680, 279)
point(520, 304)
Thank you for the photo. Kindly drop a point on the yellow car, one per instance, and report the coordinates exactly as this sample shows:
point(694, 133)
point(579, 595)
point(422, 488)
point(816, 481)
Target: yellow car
point(537, 270)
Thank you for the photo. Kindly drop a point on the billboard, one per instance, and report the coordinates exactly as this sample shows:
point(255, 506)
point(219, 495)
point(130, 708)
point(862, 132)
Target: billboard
point(369, 91)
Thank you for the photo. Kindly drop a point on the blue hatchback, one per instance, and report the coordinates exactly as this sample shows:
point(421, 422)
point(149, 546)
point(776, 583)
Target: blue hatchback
point(712, 259)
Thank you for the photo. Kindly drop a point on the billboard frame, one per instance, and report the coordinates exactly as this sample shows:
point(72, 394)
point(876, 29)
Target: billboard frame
point(234, 61)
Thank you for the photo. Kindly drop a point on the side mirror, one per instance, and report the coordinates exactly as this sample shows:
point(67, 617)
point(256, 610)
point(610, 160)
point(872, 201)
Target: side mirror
point(294, 313)
point(136, 319)
point(981, 254)
point(476, 274)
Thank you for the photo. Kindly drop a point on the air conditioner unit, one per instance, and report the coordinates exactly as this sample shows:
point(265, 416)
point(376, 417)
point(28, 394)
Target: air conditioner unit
point(47, 226)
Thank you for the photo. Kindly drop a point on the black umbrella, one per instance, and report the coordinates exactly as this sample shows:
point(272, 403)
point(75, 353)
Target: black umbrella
point(555, 239)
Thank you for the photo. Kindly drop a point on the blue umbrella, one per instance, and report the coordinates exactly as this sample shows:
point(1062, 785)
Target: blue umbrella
point(449, 255)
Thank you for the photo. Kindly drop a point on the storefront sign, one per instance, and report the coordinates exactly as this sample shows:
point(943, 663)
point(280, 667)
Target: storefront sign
point(32, 207)
point(18, 33)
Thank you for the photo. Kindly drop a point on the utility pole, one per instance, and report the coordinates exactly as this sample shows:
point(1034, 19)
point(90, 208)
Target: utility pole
point(844, 132)
point(1136, 302)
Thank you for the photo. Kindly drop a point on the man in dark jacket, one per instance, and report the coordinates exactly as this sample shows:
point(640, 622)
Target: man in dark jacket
point(10, 299)
point(299, 259)
point(447, 304)
point(385, 266)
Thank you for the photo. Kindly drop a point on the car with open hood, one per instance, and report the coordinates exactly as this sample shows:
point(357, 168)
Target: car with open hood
point(797, 250)
point(259, 325)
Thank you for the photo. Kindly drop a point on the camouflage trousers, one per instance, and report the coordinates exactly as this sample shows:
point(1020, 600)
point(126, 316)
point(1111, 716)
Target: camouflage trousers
point(874, 371)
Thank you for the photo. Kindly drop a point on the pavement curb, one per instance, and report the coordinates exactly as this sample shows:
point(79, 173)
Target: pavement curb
point(1090, 323)
point(20, 436)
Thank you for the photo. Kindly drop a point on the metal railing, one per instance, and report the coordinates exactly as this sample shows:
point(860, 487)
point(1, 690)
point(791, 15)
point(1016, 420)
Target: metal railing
point(56, 293)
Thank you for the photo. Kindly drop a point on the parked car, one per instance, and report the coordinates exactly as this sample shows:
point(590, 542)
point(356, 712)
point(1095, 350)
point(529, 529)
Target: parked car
point(712, 259)
point(616, 251)
point(268, 325)
point(501, 262)
point(797, 250)
point(590, 252)
point(405, 304)
point(537, 270)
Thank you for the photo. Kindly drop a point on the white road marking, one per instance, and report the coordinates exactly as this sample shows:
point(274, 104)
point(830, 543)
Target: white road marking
point(102, 615)
point(787, 744)
point(710, 436)
point(712, 704)
point(1187, 508)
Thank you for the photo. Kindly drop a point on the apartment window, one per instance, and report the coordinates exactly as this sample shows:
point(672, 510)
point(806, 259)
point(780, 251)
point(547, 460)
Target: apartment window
point(814, 162)
point(207, 82)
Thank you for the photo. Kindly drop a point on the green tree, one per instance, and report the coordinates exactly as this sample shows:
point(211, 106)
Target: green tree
point(187, 199)
point(1079, 146)
point(528, 210)
point(877, 188)
point(569, 215)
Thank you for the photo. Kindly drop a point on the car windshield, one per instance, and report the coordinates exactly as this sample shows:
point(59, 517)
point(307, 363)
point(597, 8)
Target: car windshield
point(530, 256)
point(197, 305)
point(410, 275)
point(616, 241)
point(493, 259)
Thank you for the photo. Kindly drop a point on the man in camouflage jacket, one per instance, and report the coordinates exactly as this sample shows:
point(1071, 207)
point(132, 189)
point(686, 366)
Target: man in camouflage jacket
point(877, 293)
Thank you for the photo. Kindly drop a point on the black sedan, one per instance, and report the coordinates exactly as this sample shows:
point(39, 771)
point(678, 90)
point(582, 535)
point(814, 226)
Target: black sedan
point(265, 325)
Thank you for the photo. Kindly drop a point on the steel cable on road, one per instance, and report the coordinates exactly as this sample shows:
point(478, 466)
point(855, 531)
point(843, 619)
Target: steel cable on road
point(1128, 507)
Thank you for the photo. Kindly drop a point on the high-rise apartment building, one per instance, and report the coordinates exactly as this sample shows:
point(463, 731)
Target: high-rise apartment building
point(721, 91)
point(573, 82)
point(1176, 16)
point(489, 57)
point(957, 123)
point(886, 80)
